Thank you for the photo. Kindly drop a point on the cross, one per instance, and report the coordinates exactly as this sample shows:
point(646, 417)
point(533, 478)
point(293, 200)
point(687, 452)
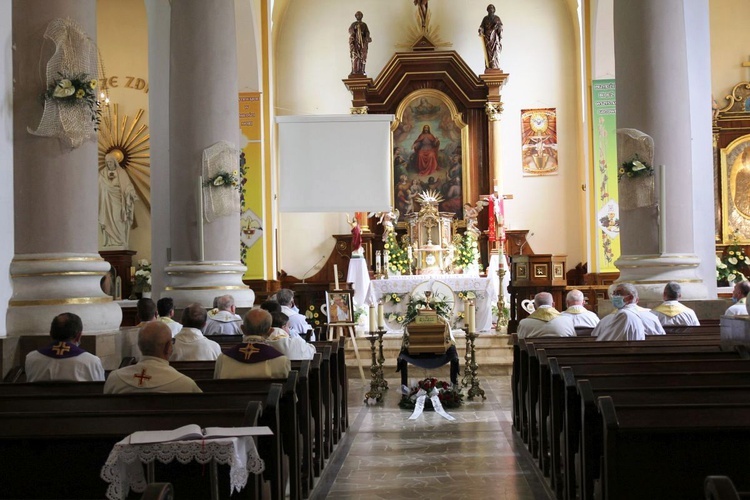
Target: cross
point(61, 348)
point(249, 350)
point(142, 376)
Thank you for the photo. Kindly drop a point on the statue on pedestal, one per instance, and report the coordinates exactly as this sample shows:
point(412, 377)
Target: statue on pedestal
point(491, 30)
point(117, 199)
point(359, 40)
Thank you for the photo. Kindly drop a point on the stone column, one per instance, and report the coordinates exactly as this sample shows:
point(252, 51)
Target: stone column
point(663, 90)
point(203, 110)
point(56, 267)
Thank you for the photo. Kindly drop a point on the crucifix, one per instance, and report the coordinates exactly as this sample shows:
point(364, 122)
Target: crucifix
point(141, 377)
point(496, 219)
point(249, 350)
point(61, 348)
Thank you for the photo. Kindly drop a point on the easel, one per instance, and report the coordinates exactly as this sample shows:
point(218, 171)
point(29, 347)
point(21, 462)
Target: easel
point(339, 330)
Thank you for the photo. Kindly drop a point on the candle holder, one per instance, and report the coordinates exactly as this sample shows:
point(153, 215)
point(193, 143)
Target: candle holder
point(375, 391)
point(502, 319)
point(471, 369)
point(382, 382)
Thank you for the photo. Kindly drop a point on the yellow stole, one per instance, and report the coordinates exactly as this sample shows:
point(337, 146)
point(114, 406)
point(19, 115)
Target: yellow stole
point(545, 314)
point(670, 310)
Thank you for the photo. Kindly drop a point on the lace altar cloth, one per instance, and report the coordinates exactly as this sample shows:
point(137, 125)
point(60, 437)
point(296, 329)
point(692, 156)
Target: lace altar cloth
point(123, 470)
point(486, 295)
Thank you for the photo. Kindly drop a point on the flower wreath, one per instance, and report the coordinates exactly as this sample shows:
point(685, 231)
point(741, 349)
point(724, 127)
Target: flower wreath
point(449, 396)
point(634, 168)
point(225, 179)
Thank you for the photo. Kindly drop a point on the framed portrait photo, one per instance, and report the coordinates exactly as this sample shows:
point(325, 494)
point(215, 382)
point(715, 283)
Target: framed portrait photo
point(339, 307)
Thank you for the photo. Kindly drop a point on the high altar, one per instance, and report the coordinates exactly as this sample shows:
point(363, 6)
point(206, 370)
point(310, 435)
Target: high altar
point(430, 234)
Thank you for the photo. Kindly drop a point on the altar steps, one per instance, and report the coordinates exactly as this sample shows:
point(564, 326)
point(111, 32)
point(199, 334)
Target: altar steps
point(492, 351)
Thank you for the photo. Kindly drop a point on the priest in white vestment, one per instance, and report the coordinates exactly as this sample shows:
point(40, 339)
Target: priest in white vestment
point(165, 308)
point(545, 321)
point(223, 320)
point(298, 325)
point(671, 312)
point(190, 344)
point(117, 199)
point(739, 297)
point(152, 373)
point(577, 312)
point(625, 323)
point(294, 348)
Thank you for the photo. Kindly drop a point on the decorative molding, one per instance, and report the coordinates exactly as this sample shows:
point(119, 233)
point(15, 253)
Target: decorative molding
point(493, 110)
point(359, 110)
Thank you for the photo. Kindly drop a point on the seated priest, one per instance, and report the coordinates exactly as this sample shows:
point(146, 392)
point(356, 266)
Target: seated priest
point(165, 308)
point(577, 312)
point(293, 348)
point(190, 344)
point(671, 312)
point(626, 322)
point(152, 373)
point(414, 353)
point(222, 320)
point(651, 325)
point(254, 357)
point(63, 360)
point(545, 321)
point(739, 296)
point(298, 325)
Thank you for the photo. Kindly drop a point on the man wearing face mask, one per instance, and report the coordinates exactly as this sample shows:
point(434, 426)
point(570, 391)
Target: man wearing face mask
point(626, 323)
point(739, 296)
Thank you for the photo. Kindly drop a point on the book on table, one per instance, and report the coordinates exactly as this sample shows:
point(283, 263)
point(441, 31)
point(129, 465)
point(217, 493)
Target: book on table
point(194, 432)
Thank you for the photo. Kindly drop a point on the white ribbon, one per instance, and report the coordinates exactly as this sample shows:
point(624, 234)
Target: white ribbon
point(436, 404)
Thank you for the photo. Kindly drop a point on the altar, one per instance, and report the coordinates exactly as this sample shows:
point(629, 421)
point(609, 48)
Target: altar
point(395, 292)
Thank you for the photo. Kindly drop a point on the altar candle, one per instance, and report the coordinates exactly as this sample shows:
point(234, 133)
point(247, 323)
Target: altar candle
point(472, 316)
point(378, 266)
point(336, 275)
point(132, 273)
point(409, 252)
point(373, 321)
point(381, 316)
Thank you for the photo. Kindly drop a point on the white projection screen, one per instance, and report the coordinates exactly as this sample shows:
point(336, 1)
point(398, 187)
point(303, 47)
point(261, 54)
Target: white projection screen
point(335, 163)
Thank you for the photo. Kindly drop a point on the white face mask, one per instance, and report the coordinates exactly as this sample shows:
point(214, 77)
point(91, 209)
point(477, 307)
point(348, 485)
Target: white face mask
point(618, 301)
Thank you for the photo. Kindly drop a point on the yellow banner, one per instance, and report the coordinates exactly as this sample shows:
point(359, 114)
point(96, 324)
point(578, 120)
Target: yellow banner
point(252, 218)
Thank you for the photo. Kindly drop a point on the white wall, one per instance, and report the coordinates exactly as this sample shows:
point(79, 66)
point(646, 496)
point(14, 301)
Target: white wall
point(539, 52)
point(730, 46)
point(6, 160)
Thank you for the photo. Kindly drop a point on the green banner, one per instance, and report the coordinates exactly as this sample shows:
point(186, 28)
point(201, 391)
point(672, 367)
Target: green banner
point(606, 211)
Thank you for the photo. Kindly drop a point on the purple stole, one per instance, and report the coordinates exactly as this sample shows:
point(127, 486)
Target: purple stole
point(61, 350)
point(251, 352)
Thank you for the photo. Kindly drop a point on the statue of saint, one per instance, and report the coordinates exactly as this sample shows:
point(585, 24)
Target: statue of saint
point(356, 235)
point(359, 40)
point(388, 220)
point(116, 204)
point(491, 30)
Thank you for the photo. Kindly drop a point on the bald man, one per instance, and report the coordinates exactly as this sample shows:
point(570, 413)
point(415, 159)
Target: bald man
point(152, 373)
point(545, 321)
point(577, 313)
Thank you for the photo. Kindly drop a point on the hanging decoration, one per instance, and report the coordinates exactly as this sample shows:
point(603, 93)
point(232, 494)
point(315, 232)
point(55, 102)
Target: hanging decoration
point(220, 192)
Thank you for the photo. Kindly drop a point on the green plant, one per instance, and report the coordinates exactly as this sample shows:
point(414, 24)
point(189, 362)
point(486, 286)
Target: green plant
point(734, 265)
point(419, 301)
point(467, 251)
point(398, 258)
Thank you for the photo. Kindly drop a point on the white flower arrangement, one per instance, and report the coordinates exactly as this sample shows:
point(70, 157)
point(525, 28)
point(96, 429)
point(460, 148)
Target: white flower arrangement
point(143, 276)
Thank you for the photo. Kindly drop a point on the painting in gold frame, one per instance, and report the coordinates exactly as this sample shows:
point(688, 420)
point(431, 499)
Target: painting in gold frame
point(430, 152)
point(735, 191)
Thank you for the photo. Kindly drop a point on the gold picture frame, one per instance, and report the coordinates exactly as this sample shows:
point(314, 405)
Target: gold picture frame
point(557, 271)
point(430, 114)
point(540, 270)
point(522, 272)
point(735, 191)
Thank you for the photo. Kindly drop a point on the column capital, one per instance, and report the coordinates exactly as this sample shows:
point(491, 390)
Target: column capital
point(360, 110)
point(493, 110)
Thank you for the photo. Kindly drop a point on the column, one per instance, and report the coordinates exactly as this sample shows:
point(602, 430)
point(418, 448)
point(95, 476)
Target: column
point(203, 110)
point(56, 267)
point(663, 89)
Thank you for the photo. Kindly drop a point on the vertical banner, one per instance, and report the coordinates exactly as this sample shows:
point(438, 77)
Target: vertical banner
point(606, 209)
point(251, 220)
point(539, 141)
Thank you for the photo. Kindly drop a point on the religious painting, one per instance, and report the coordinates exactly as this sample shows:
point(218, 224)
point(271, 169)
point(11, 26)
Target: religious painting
point(339, 307)
point(735, 190)
point(557, 271)
point(539, 141)
point(522, 271)
point(540, 270)
point(430, 143)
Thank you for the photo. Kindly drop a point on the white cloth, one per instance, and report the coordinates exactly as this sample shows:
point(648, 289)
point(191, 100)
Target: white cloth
point(581, 316)
point(297, 323)
point(293, 348)
point(685, 318)
point(191, 345)
point(561, 326)
point(82, 368)
point(123, 470)
point(738, 309)
point(651, 325)
point(148, 375)
point(227, 367)
point(223, 323)
point(359, 276)
point(624, 324)
point(172, 324)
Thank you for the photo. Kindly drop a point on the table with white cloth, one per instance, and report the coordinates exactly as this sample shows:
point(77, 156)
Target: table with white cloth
point(482, 288)
point(123, 469)
point(359, 276)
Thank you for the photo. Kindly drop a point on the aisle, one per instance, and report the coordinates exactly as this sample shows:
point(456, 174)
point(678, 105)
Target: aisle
point(386, 456)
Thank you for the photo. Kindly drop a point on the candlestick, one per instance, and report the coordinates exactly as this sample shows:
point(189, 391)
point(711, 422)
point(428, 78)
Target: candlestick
point(381, 316)
point(373, 320)
point(378, 266)
point(336, 276)
point(472, 317)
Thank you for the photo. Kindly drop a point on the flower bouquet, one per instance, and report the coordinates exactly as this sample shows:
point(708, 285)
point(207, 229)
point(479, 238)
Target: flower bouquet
point(143, 276)
point(225, 179)
point(634, 168)
point(449, 396)
point(467, 251)
point(733, 266)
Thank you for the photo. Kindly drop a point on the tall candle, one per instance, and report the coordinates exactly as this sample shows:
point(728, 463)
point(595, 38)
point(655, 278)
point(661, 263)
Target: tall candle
point(472, 316)
point(336, 275)
point(381, 316)
point(373, 321)
point(662, 209)
point(378, 264)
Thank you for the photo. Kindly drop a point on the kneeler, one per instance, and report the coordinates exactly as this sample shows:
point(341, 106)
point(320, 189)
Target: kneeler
point(428, 362)
point(338, 330)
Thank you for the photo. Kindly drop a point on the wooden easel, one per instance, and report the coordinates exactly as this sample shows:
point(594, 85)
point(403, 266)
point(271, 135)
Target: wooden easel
point(339, 330)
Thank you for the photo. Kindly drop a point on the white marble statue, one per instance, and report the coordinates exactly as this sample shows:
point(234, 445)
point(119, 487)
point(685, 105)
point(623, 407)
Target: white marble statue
point(117, 199)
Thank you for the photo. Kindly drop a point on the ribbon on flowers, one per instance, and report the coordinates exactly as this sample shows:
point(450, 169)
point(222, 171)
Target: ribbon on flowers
point(436, 404)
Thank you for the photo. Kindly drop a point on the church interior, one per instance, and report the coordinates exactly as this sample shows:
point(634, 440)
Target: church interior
point(423, 166)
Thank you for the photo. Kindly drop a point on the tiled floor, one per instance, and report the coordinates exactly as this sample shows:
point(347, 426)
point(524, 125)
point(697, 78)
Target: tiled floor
point(386, 456)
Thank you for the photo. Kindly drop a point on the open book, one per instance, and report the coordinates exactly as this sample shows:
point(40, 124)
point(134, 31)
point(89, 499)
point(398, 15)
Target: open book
point(193, 431)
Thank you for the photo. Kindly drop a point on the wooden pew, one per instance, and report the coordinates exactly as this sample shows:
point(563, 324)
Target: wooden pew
point(80, 432)
point(671, 448)
point(667, 372)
